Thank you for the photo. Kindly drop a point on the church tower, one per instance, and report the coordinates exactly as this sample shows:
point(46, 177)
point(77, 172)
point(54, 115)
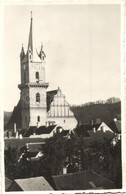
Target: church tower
point(33, 84)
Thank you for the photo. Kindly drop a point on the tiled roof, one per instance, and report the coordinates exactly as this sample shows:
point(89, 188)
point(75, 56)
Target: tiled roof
point(17, 143)
point(8, 182)
point(115, 126)
point(46, 130)
point(31, 184)
point(31, 130)
point(50, 97)
point(39, 131)
point(82, 130)
point(101, 136)
point(81, 181)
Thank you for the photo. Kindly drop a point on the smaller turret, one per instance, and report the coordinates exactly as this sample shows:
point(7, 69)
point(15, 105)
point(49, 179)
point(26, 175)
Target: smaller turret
point(22, 54)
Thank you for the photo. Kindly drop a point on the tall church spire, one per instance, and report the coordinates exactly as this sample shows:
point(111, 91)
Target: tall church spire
point(30, 41)
point(31, 44)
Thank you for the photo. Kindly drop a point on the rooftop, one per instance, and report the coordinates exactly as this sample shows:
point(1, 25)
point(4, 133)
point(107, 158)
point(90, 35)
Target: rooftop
point(115, 126)
point(30, 184)
point(81, 181)
point(17, 143)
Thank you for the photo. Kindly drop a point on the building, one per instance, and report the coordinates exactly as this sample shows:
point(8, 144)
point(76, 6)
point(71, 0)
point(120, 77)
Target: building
point(30, 184)
point(36, 106)
point(86, 180)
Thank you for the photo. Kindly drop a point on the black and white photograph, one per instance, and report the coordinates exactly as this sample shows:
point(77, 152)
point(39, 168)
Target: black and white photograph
point(62, 98)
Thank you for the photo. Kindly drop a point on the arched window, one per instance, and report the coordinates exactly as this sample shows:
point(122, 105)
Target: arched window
point(37, 75)
point(37, 97)
point(38, 118)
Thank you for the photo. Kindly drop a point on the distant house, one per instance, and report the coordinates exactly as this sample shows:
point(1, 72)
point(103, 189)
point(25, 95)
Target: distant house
point(87, 180)
point(30, 184)
point(33, 151)
point(87, 130)
point(104, 128)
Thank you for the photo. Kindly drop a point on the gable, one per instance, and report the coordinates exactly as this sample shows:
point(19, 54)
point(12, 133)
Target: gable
point(103, 127)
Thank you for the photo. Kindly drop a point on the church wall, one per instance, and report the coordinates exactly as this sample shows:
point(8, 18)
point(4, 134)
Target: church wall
point(36, 67)
point(34, 113)
point(25, 118)
point(60, 112)
point(37, 108)
point(32, 93)
point(65, 122)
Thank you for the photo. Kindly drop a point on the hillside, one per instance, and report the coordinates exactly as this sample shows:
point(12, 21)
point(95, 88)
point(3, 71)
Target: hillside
point(106, 112)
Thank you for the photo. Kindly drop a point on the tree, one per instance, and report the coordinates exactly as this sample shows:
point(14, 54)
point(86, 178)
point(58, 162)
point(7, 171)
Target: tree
point(112, 100)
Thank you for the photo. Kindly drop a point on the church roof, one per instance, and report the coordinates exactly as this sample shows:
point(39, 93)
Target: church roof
point(50, 98)
point(15, 117)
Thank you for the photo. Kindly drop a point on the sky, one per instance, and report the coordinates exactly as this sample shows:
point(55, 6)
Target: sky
point(82, 47)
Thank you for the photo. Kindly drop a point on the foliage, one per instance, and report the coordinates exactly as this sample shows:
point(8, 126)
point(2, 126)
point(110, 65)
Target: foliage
point(106, 112)
point(10, 160)
point(59, 152)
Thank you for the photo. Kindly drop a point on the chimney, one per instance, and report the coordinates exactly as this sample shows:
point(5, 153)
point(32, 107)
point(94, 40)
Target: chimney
point(103, 129)
point(14, 128)
point(20, 136)
point(94, 129)
point(16, 135)
point(64, 170)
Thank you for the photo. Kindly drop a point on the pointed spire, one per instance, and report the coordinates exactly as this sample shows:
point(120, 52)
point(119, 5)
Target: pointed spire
point(22, 54)
point(30, 41)
point(31, 45)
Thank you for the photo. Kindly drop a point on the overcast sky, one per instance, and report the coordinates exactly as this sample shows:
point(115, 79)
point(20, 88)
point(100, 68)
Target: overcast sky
point(82, 45)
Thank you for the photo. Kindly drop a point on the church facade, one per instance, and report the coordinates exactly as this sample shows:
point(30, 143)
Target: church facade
point(37, 106)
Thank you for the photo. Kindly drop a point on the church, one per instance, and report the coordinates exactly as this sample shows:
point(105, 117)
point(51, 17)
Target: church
point(37, 106)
